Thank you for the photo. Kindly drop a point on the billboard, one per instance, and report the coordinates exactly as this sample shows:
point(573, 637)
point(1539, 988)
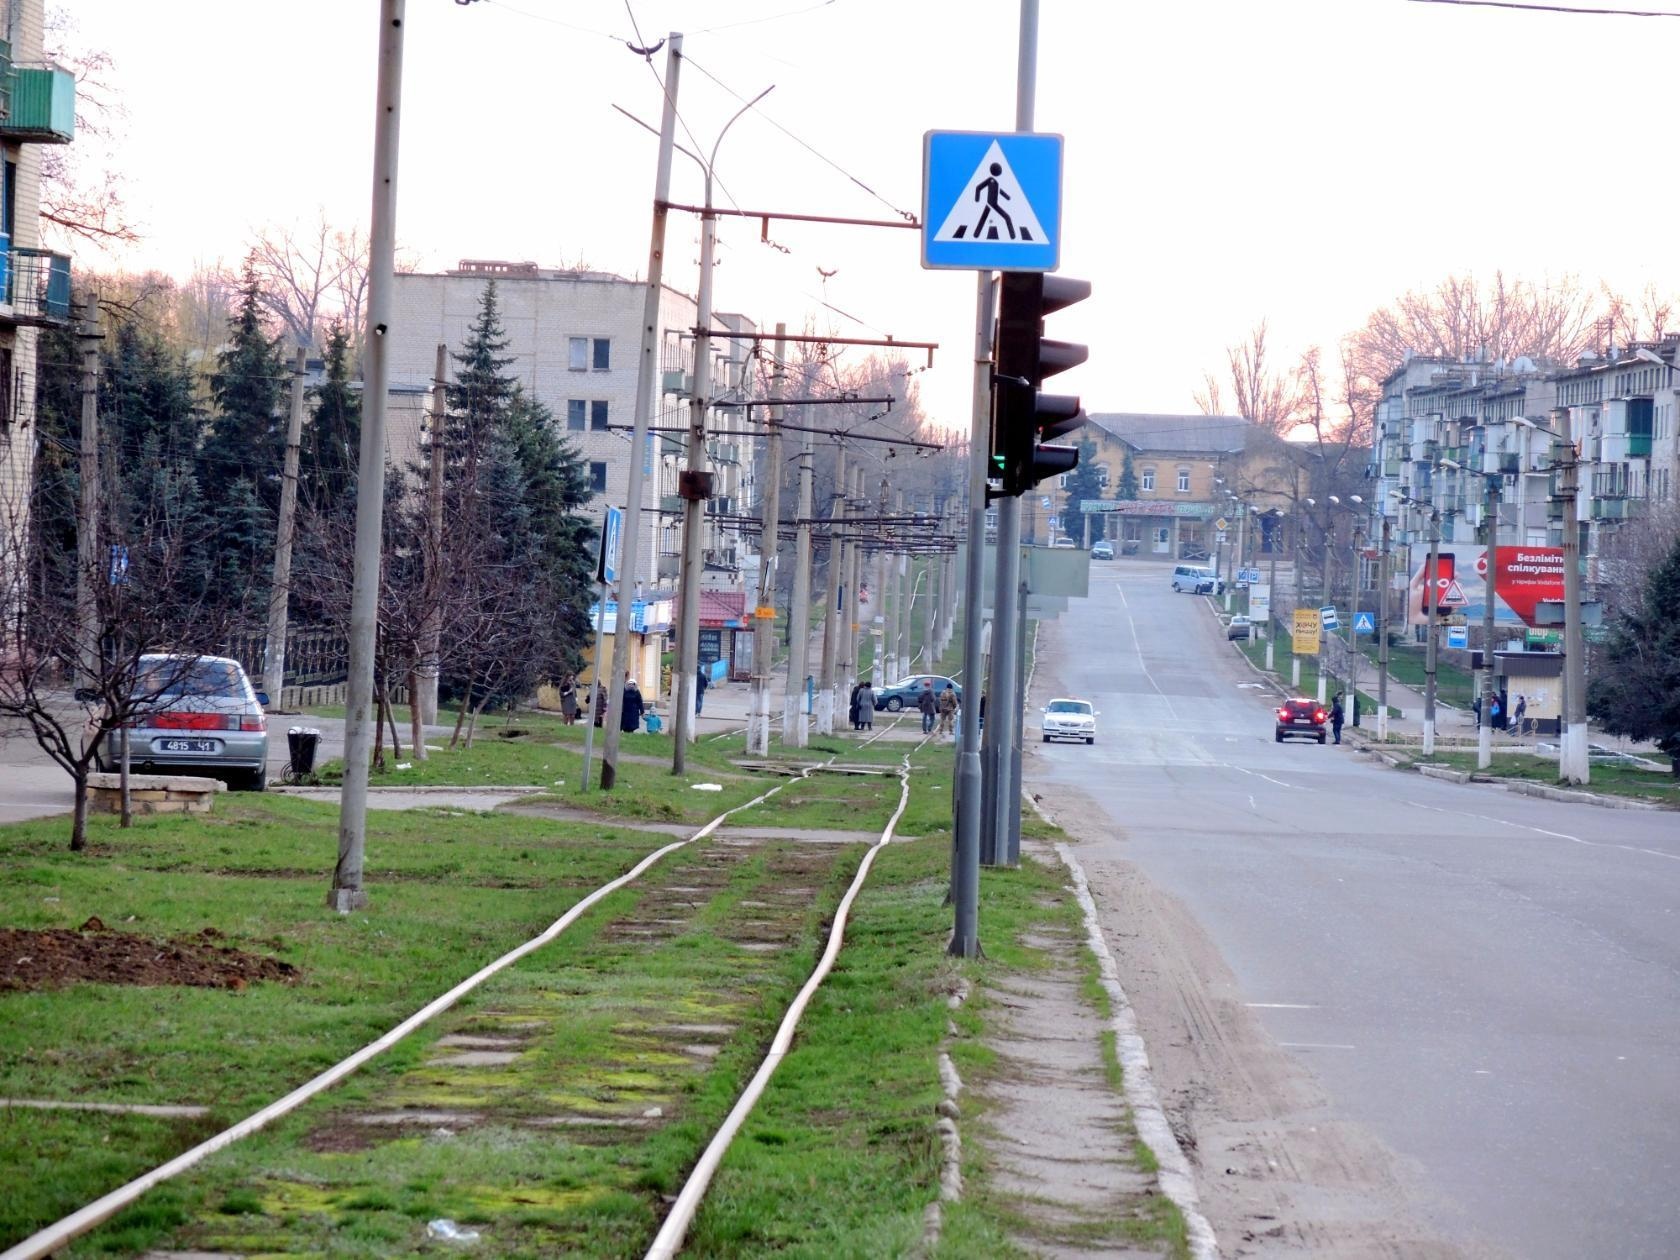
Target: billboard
point(1304, 632)
point(1527, 575)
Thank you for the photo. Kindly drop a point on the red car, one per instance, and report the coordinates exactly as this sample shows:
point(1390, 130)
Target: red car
point(1301, 717)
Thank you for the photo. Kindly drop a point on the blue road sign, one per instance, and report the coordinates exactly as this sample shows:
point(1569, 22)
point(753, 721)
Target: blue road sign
point(991, 201)
point(1327, 618)
point(612, 530)
point(1044, 502)
point(1364, 623)
point(1458, 636)
point(1251, 576)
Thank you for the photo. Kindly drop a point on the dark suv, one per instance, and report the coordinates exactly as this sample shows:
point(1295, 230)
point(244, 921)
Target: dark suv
point(1301, 717)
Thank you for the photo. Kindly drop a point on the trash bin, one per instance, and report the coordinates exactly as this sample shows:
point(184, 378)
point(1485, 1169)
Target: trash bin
point(301, 742)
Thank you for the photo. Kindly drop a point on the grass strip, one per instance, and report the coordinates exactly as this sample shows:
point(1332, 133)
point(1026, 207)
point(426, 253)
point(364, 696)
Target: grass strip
point(1607, 779)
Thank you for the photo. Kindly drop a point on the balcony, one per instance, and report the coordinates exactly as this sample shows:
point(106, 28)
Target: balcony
point(1639, 446)
point(36, 285)
point(42, 108)
point(1615, 509)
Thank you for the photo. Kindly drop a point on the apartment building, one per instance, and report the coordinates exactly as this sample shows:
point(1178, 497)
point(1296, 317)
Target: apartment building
point(37, 106)
point(574, 338)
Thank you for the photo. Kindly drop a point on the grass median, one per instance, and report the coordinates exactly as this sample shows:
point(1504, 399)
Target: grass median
point(1609, 779)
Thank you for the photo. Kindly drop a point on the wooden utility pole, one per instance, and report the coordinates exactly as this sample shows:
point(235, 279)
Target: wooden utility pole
point(88, 569)
point(764, 625)
point(280, 589)
point(431, 626)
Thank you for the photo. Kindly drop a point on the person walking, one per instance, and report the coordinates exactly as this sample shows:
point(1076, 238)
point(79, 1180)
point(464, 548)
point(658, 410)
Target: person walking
point(701, 682)
point(928, 705)
point(866, 706)
point(1493, 712)
point(1519, 716)
point(569, 699)
point(948, 705)
point(600, 704)
point(1337, 716)
point(630, 718)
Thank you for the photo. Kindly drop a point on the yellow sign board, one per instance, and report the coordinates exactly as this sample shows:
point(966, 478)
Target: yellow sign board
point(1305, 632)
point(769, 614)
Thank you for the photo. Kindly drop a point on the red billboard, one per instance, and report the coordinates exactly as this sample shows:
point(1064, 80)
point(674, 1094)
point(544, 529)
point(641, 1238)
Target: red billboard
point(1527, 575)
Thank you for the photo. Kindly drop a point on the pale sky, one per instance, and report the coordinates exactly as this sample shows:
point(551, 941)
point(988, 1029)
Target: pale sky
point(1301, 160)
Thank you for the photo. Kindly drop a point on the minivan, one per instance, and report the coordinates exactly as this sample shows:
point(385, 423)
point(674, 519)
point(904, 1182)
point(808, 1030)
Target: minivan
point(1198, 579)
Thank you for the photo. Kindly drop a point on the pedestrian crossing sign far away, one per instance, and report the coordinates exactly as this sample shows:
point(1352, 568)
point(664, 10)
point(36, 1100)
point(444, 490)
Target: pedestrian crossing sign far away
point(991, 201)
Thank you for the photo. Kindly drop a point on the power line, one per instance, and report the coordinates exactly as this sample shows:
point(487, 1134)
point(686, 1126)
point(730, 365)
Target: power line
point(1554, 8)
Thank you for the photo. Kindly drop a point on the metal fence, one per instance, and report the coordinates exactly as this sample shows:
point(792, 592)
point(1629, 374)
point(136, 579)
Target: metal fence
point(314, 658)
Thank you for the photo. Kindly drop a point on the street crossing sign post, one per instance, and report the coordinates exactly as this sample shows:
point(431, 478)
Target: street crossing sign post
point(991, 201)
point(1364, 623)
point(1251, 576)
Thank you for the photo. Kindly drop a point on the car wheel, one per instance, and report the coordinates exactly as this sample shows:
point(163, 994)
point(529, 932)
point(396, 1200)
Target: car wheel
point(1321, 737)
point(1046, 739)
point(894, 704)
point(1090, 739)
point(1278, 735)
point(250, 780)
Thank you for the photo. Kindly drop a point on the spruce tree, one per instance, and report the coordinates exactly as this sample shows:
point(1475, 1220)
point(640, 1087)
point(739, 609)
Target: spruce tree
point(1127, 486)
point(247, 387)
point(1082, 483)
point(1635, 691)
point(332, 438)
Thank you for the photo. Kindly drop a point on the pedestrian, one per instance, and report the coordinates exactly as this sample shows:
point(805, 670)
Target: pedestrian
point(600, 705)
point(569, 699)
point(866, 706)
point(1476, 706)
point(701, 682)
point(630, 719)
point(948, 705)
point(857, 689)
point(928, 705)
point(1519, 715)
point(1337, 716)
point(1493, 712)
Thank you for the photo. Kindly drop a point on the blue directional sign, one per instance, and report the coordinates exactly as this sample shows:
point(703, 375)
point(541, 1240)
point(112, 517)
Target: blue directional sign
point(612, 529)
point(1327, 618)
point(1458, 636)
point(992, 201)
point(1364, 623)
point(1251, 576)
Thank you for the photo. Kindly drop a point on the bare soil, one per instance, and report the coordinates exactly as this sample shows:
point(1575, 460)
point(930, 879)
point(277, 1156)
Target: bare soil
point(57, 957)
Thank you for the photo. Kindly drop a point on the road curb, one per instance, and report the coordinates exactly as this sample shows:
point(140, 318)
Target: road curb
point(1524, 787)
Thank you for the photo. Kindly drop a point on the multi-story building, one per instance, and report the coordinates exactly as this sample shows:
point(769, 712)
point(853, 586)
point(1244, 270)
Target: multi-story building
point(574, 338)
point(37, 106)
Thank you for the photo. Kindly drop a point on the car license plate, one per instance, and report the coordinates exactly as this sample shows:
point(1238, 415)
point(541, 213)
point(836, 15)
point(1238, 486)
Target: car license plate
point(186, 745)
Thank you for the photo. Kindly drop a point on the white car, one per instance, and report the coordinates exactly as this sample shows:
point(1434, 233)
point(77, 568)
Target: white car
point(1070, 719)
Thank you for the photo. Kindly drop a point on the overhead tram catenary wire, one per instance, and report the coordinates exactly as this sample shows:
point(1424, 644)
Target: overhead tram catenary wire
point(768, 17)
point(1566, 9)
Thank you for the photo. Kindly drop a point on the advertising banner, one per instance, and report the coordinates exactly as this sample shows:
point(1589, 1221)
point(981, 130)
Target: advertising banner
point(1527, 575)
point(1260, 602)
point(1304, 632)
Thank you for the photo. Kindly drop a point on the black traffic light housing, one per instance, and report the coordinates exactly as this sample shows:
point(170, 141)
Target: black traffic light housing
point(1023, 419)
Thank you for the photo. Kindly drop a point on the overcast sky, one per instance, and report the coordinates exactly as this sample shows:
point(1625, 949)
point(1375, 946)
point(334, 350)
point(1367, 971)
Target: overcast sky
point(1301, 160)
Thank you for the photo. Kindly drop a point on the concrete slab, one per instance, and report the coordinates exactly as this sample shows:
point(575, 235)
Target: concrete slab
point(165, 1111)
point(475, 1059)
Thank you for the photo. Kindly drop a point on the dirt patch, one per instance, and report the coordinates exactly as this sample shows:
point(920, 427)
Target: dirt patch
point(57, 957)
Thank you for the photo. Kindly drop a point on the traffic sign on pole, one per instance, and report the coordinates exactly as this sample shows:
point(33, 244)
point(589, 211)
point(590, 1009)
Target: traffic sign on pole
point(612, 529)
point(1250, 576)
point(1364, 623)
point(1327, 618)
point(991, 201)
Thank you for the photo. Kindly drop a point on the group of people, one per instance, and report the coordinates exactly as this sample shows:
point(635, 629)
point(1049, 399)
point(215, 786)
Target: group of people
point(941, 707)
point(1496, 714)
point(630, 713)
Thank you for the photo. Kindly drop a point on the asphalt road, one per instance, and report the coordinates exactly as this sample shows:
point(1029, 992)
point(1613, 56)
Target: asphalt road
point(1487, 983)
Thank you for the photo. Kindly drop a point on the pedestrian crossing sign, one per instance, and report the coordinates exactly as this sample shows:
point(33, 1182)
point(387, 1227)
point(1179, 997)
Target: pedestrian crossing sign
point(991, 201)
point(1363, 623)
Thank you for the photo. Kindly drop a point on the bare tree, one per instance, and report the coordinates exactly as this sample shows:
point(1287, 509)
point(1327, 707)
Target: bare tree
point(82, 184)
point(1645, 318)
point(1263, 395)
point(310, 275)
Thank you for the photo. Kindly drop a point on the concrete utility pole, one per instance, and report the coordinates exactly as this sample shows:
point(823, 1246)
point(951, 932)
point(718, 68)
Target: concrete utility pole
point(1432, 593)
point(851, 613)
point(431, 629)
point(347, 893)
point(647, 391)
point(1323, 600)
point(930, 615)
point(794, 726)
point(966, 837)
point(764, 639)
point(1295, 595)
point(885, 596)
point(1271, 604)
point(906, 600)
point(1353, 624)
point(828, 682)
point(280, 588)
point(1385, 579)
point(694, 490)
point(1484, 736)
point(89, 572)
point(1573, 766)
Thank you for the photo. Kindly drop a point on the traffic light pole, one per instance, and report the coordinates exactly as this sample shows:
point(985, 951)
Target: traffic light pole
point(965, 866)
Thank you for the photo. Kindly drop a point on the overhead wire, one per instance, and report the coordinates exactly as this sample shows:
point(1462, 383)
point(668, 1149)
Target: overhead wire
point(1566, 9)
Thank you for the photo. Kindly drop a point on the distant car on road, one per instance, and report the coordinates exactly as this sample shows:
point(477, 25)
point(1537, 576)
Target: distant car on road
point(1240, 628)
point(1070, 719)
point(1197, 579)
point(1301, 719)
point(1064, 542)
point(902, 695)
point(202, 717)
point(1102, 551)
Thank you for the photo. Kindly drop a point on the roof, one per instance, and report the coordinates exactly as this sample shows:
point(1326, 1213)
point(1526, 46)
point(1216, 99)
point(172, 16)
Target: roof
point(722, 607)
point(1152, 431)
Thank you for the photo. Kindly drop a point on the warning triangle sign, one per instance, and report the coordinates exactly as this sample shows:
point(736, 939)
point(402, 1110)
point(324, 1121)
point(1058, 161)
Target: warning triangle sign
point(1452, 596)
point(992, 207)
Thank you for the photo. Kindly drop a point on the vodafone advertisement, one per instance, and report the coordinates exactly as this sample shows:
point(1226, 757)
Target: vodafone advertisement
point(1527, 575)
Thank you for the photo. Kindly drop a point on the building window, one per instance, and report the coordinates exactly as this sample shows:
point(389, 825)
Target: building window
point(575, 414)
point(603, 354)
point(577, 353)
point(1102, 475)
point(598, 476)
point(1147, 485)
point(1184, 481)
point(1061, 481)
point(598, 414)
point(992, 519)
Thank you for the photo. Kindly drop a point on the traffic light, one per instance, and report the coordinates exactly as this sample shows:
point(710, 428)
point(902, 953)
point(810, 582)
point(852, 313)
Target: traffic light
point(1023, 419)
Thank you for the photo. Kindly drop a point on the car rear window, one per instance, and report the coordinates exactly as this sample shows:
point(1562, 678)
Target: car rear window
point(176, 679)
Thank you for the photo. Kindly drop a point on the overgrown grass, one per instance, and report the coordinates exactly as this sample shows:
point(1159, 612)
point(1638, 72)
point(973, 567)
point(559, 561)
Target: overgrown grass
point(449, 891)
point(1609, 779)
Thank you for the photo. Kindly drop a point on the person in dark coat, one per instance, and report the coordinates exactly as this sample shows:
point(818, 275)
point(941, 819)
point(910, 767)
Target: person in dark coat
point(1337, 716)
point(927, 706)
point(856, 688)
point(600, 704)
point(866, 706)
point(701, 682)
point(569, 698)
point(631, 717)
